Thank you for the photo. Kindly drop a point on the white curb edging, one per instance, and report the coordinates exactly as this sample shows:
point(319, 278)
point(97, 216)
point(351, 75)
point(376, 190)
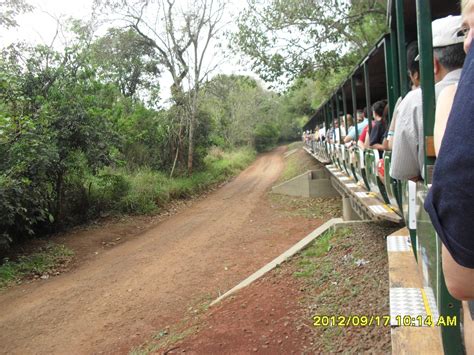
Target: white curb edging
point(275, 262)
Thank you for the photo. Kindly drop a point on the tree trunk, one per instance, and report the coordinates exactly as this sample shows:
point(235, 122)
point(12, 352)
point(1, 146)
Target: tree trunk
point(191, 145)
point(174, 162)
point(59, 198)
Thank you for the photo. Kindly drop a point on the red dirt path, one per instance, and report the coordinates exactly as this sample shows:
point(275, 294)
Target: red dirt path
point(115, 298)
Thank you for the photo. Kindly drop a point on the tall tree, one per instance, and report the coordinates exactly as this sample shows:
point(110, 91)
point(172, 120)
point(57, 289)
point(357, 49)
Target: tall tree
point(125, 58)
point(290, 38)
point(181, 34)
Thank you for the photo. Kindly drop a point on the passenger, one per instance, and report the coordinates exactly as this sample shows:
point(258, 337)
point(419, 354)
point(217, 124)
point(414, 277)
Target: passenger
point(379, 126)
point(361, 124)
point(364, 137)
point(414, 74)
point(331, 134)
point(322, 133)
point(381, 163)
point(350, 123)
point(450, 201)
point(343, 128)
point(448, 58)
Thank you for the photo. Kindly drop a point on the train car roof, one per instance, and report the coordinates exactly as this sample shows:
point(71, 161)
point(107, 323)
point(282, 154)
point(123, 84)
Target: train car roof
point(376, 65)
point(439, 9)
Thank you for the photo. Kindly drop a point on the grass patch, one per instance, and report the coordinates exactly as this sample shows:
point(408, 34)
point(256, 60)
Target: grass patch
point(296, 163)
point(48, 260)
point(337, 284)
point(312, 258)
point(145, 191)
point(295, 145)
point(164, 339)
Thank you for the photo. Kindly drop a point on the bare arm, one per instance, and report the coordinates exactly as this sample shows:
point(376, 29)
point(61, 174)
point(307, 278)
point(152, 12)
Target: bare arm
point(443, 108)
point(459, 279)
point(377, 146)
point(367, 140)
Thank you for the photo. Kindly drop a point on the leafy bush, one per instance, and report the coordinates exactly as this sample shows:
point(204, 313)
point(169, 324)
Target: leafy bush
point(266, 136)
point(45, 261)
point(148, 190)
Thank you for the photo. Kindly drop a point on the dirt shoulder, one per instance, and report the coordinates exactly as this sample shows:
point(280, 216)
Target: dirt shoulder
point(340, 274)
point(133, 278)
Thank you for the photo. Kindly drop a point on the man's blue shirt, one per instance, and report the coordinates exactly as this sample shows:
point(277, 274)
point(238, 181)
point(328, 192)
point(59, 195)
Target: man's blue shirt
point(360, 127)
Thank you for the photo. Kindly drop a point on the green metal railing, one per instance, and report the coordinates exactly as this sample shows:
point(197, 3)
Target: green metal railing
point(354, 107)
point(367, 95)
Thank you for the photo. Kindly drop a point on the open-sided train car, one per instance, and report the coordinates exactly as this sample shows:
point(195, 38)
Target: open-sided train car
point(382, 74)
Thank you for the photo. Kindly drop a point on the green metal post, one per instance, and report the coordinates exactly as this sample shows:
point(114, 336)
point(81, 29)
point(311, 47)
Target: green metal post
point(427, 76)
point(332, 118)
point(367, 95)
point(402, 50)
point(326, 114)
point(354, 107)
point(394, 60)
point(337, 115)
point(452, 341)
point(392, 97)
point(344, 108)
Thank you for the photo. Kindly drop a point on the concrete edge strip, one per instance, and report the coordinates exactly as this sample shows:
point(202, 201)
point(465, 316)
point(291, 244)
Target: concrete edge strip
point(280, 259)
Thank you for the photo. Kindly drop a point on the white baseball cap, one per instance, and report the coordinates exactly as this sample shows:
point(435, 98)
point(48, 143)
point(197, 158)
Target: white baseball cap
point(446, 32)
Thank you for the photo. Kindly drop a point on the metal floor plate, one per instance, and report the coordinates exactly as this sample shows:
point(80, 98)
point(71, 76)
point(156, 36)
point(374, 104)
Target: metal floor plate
point(398, 243)
point(378, 209)
point(406, 302)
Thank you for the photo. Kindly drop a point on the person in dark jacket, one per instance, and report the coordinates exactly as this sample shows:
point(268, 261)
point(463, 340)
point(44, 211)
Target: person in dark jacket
point(450, 201)
point(379, 127)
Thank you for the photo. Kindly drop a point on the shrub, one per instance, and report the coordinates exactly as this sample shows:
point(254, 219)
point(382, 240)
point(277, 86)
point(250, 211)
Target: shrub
point(266, 136)
point(148, 190)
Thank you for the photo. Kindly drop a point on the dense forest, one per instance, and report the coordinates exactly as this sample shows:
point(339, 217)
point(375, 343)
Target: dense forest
point(84, 130)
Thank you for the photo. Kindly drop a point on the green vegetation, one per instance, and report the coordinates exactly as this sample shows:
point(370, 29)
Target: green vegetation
point(295, 145)
point(296, 163)
point(293, 38)
point(144, 190)
point(164, 339)
point(81, 134)
point(83, 129)
point(344, 273)
point(312, 258)
point(46, 261)
point(306, 46)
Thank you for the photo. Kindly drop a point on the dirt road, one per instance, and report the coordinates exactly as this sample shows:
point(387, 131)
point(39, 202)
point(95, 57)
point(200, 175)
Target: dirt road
point(114, 300)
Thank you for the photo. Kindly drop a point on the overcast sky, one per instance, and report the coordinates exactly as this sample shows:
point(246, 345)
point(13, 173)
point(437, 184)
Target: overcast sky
point(40, 26)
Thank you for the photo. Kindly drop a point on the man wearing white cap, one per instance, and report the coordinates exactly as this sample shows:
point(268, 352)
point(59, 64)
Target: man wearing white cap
point(448, 58)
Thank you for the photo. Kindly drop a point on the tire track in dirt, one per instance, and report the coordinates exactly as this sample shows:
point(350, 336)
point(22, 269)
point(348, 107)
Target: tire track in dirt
point(121, 296)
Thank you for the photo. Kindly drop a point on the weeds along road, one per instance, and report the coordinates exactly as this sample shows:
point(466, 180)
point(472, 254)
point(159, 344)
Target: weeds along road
point(118, 299)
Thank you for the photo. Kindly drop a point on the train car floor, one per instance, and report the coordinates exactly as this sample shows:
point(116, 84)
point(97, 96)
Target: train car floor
point(365, 203)
point(412, 321)
point(320, 158)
